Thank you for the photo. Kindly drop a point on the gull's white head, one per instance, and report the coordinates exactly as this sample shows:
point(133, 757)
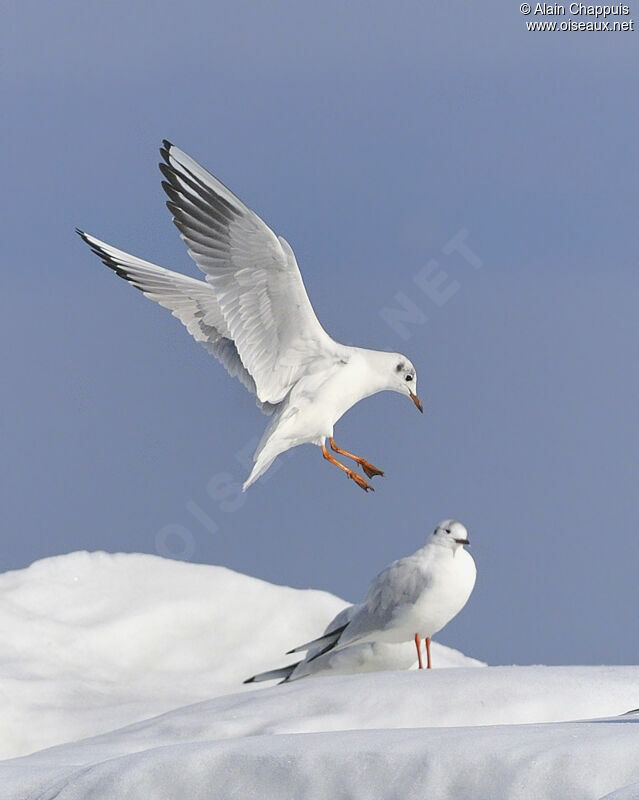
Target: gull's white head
point(404, 378)
point(450, 533)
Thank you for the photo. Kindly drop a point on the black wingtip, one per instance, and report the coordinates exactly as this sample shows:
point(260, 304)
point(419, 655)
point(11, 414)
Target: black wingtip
point(108, 260)
point(165, 150)
point(249, 680)
point(166, 170)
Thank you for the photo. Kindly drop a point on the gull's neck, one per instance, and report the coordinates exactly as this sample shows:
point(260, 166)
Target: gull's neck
point(379, 367)
point(435, 547)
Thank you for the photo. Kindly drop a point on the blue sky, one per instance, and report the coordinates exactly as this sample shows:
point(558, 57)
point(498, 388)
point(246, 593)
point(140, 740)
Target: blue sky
point(369, 135)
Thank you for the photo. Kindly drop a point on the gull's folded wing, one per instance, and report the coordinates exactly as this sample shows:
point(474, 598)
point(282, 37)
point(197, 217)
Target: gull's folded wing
point(273, 674)
point(193, 302)
point(253, 274)
point(329, 639)
point(399, 584)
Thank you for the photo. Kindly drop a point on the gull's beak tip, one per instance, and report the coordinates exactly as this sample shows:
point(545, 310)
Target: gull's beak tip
point(417, 402)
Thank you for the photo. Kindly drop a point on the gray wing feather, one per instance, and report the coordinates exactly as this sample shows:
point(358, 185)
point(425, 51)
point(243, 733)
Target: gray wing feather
point(401, 583)
point(253, 274)
point(192, 301)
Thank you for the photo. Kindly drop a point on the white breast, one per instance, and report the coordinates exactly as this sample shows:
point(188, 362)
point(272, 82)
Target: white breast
point(323, 397)
point(449, 580)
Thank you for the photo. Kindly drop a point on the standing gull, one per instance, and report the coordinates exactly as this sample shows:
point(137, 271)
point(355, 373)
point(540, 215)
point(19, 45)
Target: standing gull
point(412, 599)
point(253, 314)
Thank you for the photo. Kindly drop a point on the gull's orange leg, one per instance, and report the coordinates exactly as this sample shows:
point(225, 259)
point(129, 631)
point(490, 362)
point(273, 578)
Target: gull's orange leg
point(352, 475)
point(368, 468)
point(419, 652)
point(428, 664)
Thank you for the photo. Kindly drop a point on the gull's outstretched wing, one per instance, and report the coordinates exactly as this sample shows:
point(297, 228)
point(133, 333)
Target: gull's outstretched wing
point(193, 302)
point(253, 273)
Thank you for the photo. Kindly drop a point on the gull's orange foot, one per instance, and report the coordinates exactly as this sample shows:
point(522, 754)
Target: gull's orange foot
point(370, 470)
point(359, 481)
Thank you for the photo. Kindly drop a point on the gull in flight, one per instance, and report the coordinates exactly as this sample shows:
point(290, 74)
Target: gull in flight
point(253, 314)
point(412, 599)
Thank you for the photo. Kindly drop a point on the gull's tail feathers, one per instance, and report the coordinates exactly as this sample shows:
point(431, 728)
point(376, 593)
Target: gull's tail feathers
point(270, 446)
point(273, 674)
point(262, 463)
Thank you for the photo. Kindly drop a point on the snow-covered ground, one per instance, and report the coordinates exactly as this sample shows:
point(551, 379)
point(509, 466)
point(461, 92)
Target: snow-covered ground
point(132, 665)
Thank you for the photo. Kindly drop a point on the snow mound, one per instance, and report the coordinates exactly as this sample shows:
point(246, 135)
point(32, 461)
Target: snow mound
point(90, 642)
point(384, 735)
point(140, 660)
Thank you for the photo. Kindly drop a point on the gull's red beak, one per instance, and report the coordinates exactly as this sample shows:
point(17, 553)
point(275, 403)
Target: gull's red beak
point(417, 401)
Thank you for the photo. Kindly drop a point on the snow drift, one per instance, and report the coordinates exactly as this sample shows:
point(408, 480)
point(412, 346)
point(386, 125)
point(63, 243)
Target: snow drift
point(103, 644)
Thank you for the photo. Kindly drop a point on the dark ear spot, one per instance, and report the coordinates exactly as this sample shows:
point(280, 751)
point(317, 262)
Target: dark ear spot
point(399, 367)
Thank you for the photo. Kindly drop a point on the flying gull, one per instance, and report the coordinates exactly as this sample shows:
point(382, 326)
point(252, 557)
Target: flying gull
point(253, 314)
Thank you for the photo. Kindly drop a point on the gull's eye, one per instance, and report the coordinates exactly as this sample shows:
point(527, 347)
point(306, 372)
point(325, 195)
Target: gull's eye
point(409, 377)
